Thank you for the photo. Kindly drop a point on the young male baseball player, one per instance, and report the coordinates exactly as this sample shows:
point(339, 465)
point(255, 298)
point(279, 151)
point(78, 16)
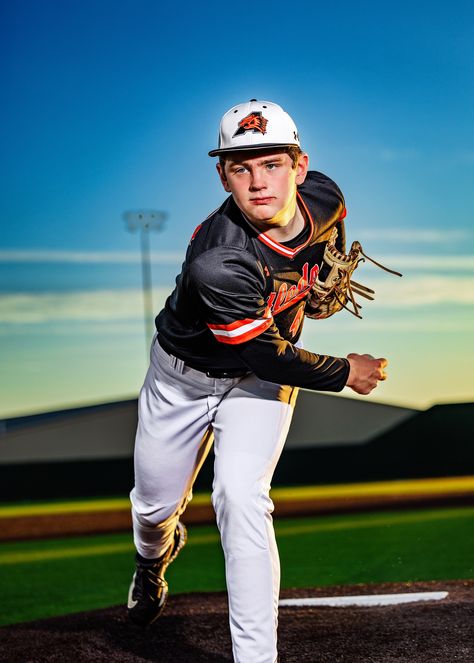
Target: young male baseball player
point(226, 365)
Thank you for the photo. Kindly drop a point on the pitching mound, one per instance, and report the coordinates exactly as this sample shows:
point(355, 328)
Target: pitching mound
point(194, 629)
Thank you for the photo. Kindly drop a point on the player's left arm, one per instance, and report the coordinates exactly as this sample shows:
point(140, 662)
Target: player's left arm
point(275, 359)
point(230, 285)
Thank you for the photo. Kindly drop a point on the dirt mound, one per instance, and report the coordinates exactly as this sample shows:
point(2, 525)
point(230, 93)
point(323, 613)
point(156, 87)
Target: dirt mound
point(194, 629)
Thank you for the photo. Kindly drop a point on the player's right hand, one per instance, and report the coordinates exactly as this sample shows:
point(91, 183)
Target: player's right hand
point(365, 372)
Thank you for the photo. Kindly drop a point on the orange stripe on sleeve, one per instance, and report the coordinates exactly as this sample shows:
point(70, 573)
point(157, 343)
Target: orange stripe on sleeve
point(240, 331)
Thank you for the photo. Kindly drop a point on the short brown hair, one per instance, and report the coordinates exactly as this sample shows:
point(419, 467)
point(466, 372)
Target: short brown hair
point(293, 151)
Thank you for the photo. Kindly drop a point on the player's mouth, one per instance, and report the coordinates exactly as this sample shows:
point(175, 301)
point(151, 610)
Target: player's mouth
point(261, 201)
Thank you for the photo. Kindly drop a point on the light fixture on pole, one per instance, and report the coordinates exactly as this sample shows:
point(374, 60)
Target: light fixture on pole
point(144, 221)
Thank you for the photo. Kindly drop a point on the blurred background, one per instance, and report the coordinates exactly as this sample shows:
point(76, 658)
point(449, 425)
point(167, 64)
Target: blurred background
point(110, 108)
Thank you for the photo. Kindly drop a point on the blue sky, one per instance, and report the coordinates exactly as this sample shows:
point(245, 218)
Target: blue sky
point(113, 106)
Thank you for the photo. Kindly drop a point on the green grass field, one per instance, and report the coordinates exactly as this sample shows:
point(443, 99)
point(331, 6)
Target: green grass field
point(59, 576)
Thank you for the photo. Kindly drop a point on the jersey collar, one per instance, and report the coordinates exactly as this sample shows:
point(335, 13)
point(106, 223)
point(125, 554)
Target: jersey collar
point(281, 248)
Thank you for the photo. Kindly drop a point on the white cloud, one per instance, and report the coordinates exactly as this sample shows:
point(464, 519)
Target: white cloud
point(126, 305)
point(122, 257)
point(409, 235)
point(427, 262)
point(350, 326)
point(92, 306)
point(83, 328)
point(419, 261)
point(420, 291)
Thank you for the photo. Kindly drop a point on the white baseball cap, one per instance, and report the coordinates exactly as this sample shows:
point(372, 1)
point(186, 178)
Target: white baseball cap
point(255, 125)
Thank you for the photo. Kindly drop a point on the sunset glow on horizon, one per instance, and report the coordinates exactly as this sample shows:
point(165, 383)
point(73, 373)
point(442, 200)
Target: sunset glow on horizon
point(111, 107)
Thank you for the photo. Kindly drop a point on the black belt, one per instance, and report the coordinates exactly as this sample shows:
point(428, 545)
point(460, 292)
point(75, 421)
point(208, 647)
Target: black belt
point(213, 373)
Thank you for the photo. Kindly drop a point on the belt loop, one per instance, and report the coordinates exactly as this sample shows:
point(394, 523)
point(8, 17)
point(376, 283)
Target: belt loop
point(177, 364)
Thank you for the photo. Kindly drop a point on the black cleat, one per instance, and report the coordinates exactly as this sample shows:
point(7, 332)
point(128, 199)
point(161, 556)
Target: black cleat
point(149, 590)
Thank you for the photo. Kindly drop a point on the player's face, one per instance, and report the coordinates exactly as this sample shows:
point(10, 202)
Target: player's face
point(264, 186)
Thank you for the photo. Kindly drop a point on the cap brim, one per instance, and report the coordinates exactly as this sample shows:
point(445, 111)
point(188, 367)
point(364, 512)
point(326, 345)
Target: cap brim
point(250, 148)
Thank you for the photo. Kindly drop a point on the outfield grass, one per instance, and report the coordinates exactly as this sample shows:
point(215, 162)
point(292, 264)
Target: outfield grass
point(60, 576)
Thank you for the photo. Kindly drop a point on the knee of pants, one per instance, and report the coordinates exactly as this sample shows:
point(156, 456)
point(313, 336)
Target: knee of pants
point(151, 515)
point(238, 495)
point(243, 518)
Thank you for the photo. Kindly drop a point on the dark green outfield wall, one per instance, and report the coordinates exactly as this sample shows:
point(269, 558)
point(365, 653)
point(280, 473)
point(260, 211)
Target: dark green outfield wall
point(438, 442)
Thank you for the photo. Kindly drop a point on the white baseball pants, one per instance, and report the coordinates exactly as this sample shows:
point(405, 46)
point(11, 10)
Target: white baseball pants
point(179, 409)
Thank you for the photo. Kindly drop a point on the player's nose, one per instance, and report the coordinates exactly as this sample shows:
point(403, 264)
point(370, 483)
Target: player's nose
point(257, 180)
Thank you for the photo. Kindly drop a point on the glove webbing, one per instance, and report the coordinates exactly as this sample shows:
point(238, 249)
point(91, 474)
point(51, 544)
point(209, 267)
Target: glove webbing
point(352, 287)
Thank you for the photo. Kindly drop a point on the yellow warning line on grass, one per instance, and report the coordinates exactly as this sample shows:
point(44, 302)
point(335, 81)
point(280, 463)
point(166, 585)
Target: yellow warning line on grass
point(387, 520)
point(444, 485)
point(410, 487)
point(63, 507)
point(83, 506)
point(64, 553)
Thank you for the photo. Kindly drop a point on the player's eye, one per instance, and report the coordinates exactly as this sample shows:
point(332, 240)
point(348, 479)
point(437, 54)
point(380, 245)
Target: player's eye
point(272, 166)
point(239, 170)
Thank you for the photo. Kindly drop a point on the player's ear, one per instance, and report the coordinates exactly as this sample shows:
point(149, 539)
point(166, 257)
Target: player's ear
point(222, 176)
point(302, 168)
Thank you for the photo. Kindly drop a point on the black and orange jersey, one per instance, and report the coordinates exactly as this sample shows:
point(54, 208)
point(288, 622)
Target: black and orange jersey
point(240, 299)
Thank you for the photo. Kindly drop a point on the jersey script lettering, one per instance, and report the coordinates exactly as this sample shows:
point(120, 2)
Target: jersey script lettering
point(285, 297)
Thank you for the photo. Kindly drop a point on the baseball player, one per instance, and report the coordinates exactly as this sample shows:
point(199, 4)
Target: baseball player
point(226, 364)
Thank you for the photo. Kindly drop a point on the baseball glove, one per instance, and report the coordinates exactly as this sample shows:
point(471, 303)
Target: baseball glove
point(334, 288)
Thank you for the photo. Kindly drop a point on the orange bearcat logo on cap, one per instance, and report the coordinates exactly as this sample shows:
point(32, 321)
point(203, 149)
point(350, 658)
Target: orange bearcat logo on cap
point(253, 122)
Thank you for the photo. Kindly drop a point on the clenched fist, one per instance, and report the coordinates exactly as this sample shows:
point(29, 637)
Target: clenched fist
point(365, 373)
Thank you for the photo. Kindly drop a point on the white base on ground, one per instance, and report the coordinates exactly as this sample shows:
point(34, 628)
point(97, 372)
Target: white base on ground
point(364, 601)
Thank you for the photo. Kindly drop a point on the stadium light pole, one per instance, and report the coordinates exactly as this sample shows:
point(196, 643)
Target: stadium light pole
point(145, 221)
